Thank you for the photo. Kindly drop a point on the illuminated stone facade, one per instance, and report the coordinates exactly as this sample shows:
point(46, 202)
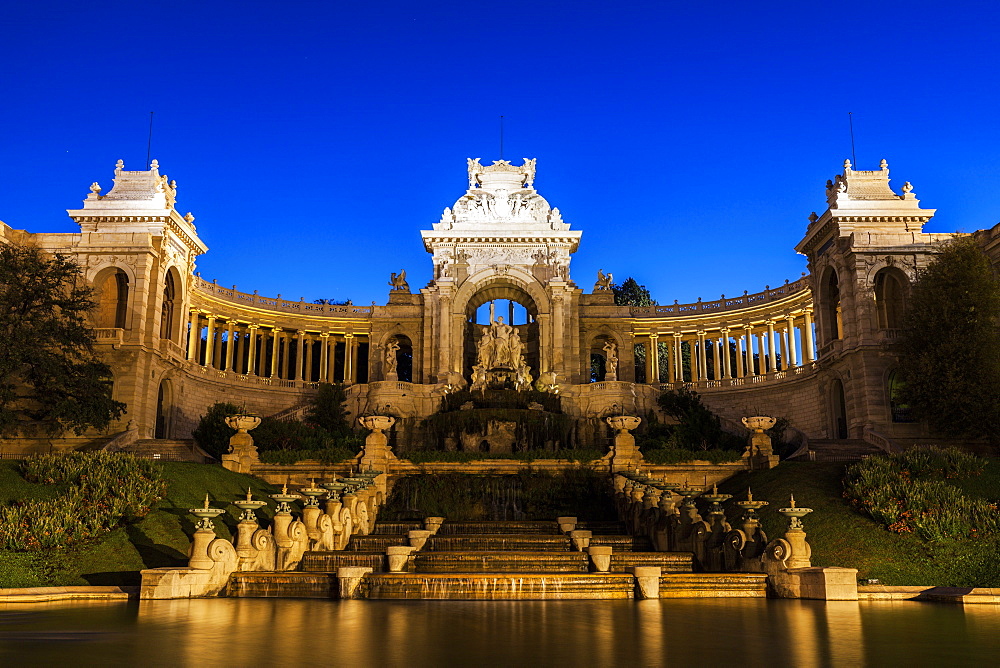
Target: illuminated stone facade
point(812, 350)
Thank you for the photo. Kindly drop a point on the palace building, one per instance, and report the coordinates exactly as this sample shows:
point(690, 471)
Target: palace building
point(813, 351)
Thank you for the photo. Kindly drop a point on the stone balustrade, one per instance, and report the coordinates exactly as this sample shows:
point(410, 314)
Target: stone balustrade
point(746, 300)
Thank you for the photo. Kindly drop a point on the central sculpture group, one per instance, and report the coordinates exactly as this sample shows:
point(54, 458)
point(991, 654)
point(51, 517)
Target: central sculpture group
point(500, 359)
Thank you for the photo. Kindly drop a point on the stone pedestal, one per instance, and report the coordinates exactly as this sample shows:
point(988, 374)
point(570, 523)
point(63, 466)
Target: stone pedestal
point(600, 558)
point(625, 456)
point(566, 524)
point(581, 539)
point(199, 549)
point(432, 524)
point(242, 453)
point(349, 580)
point(398, 556)
point(418, 538)
point(376, 454)
point(647, 581)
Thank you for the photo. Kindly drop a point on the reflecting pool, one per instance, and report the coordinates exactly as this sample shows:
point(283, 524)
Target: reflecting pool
point(683, 633)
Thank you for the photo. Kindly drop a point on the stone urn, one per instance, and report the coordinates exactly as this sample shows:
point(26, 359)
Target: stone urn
point(623, 423)
point(376, 453)
point(377, 423)
point(624, 454)
point(760, 443)
point(242, 453)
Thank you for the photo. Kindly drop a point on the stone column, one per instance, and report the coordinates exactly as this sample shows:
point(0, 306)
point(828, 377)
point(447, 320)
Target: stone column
point(653, 356)
point(209, 340)
point(770, 345)
point(286, 357)
point(281, 341)
point(727, 363)
point(761, 353)
point(702, 357)
point(717, 358)
point(739, 356)
point(307, 368)
point(241, 347)
point(193, 336)
point(275, 351)
point(217, 355)
point(252, 351)
point(444, 336)
point(230, 346)
point(793, 353)
point(299, 374)
point(679, 356)
point(349, 366)
point(671, 362)
point(807, 333)
point(544, 343)
point(749, 351)
point(324, 357)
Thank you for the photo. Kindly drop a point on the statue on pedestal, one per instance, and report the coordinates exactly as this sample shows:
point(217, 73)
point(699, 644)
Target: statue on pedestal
point(391, 347)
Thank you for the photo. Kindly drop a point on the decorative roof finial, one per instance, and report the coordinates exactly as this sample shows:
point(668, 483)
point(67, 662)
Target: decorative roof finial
point(154, 165)
point(884, 166)
point(189, 217)
point(95, 188)
point(813, 217)
point(847, 165)
point(907, 188)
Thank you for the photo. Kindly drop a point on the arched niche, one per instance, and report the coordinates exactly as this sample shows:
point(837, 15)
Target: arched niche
point(830, 306)
point(597, 361)
point(164, 410)
point(112, 288)
point(891, 292)
point(838, 410)
point(170, 311)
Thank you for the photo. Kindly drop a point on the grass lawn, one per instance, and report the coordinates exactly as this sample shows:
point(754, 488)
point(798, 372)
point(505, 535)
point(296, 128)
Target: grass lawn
point(161, 538)
point(839, 536)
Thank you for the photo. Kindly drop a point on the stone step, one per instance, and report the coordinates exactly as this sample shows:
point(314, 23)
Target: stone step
point(493, 586)
point(713, 585)
point(498, 542)
point(329, 562)
point(282, 585)
point(512, 527)
point(500, 562)
point(670, 562)
point(163, 449)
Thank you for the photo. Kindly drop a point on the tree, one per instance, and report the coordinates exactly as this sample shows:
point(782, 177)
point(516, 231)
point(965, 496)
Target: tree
point(630, 293)
point(50, 376)
point(327, 410)
point(949, 349)
point(212, 433)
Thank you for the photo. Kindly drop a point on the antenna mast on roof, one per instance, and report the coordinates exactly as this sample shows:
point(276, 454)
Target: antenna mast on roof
point(149, 140)
point(850, 122)
point(501, 137)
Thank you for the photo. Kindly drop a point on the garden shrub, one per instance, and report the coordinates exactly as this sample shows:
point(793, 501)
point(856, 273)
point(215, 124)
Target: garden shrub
point(908, 493)
point(104, 491)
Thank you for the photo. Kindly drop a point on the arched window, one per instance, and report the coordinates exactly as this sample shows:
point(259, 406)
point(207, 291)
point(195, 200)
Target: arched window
point(901, 412)
point(167, 309)
point(890, 298)
point(112, 300)
point(833, 324)
point(404, 359)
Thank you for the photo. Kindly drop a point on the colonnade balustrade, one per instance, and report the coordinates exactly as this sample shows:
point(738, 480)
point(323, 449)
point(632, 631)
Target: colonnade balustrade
point(271, 354)
point(732, 355)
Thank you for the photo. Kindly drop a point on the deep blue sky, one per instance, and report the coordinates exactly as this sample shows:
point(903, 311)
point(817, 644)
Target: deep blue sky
point(313, 140)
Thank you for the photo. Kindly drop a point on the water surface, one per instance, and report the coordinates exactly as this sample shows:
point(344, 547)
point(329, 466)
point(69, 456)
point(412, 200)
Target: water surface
point(682, 633)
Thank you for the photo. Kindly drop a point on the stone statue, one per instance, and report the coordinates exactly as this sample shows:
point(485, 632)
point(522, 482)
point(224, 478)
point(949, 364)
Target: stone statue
point(611, 361)
point(474, 168)
point(391, 347)
point(398, 281)
point(604, 281)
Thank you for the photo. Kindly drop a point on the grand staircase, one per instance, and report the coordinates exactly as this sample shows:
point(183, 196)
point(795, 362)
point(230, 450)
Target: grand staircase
point(168, 450)
point(838, 450)
point(496, 561)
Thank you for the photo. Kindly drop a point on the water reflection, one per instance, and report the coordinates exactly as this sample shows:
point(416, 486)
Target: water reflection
point(259, 632)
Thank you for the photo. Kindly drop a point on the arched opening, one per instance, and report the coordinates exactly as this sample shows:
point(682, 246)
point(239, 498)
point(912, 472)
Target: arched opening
point(164, 402)
point(890, 298)
point(900, 410)
point(112, 300)
point(506, 304)
point(833, 328)
point(403, 355)
point(604, 358)
point(838, 410)
point(168, 327)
